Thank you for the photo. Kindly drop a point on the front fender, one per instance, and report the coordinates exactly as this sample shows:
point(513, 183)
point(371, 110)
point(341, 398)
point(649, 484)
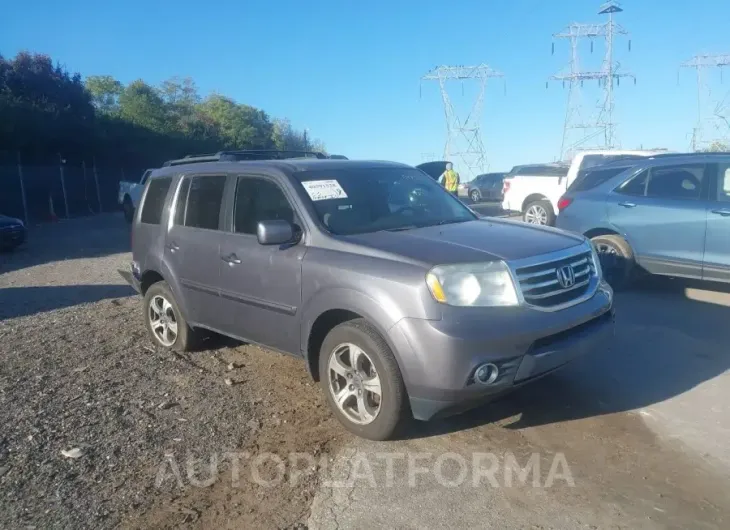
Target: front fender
point(383, 314)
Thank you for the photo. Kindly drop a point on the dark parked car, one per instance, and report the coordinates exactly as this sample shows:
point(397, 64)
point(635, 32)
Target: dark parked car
point(12, 232)
point(399, 299)
point(433, 169)
point(486, 187)
point(666, 214)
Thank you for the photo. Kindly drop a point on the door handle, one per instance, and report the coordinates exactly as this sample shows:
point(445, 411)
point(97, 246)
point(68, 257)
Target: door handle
point(231, 259)
point(172, 247)
point(627, 204)
point(725, 212)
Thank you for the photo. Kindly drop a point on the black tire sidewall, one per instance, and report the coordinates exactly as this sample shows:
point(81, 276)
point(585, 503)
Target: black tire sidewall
point(128, 208)
point(182, 342)
point(393, 400)
point(624, 276)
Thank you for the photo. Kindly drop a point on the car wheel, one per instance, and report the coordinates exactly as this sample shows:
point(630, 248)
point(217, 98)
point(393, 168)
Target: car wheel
point(128, 208)
point(475, 195)
point(362, 381)
point(539, 213)
point(617, 260)
point(164, 320)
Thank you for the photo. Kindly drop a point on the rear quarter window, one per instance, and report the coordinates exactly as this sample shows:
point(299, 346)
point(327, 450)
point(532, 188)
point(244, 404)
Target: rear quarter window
point(154, 200)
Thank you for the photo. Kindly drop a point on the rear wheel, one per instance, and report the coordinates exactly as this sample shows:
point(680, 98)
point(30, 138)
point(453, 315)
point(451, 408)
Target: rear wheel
point(362, 381)
point(617, 260)
point(128, 208)
point(164, 321)
point(539, 213)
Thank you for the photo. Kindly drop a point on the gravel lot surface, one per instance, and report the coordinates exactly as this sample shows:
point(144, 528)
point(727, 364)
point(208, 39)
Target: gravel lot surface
point(79, 374)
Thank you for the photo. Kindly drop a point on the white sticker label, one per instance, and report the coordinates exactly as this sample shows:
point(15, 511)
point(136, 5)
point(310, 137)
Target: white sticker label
point(322, 190)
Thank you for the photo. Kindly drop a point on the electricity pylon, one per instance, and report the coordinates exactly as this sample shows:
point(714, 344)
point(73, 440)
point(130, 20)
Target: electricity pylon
point(463, 133)
point(720, 115)
point(599, 126)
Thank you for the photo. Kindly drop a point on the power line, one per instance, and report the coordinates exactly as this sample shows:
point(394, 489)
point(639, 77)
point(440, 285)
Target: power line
point(463, 133)
point(721, 113)
point(601, 129)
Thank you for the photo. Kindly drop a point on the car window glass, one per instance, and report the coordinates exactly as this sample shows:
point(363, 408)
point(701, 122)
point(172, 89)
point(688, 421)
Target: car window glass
point(636, 186)
point(204, 201)
point(587, 180)
point(182, 199)
point(676, 182)
point(723, 183)
point(590, 161)
point(154, 200)
point(259, 200)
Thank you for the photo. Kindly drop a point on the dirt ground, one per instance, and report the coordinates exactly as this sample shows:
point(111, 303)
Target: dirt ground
point(78, 371)
point(100, 429)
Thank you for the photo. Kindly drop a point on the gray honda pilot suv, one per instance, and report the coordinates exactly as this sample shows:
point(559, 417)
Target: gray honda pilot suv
point(399, 298)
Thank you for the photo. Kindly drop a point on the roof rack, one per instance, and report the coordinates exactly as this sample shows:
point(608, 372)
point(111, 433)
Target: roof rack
point(251, 154)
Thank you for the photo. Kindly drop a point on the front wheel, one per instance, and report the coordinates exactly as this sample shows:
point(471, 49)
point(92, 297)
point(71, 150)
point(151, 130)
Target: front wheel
point(617, 260)
point(475, 195)
point(539, 213)
point(362, 381)
point(128, 208)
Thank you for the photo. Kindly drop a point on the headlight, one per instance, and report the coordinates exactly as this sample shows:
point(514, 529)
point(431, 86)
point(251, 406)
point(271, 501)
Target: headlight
point(596, 262)
point(473, 284)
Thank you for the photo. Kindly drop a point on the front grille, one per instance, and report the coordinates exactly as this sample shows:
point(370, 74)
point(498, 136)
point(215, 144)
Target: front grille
point(541, 284)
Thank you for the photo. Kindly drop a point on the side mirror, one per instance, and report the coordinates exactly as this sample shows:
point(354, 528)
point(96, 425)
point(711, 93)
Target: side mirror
point(276, 232)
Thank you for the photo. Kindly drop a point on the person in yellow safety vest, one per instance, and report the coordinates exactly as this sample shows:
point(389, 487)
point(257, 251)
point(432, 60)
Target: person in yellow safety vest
point(449, 179)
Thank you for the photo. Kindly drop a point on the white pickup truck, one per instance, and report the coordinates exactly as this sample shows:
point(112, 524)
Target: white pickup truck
point(535, 190)
point(130, 193)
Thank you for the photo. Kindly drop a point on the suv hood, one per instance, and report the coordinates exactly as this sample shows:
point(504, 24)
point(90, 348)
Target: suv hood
point(8, 221)
point(472, 241)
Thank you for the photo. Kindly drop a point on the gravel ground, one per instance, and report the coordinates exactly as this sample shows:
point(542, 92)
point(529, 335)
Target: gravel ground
point(79, 376)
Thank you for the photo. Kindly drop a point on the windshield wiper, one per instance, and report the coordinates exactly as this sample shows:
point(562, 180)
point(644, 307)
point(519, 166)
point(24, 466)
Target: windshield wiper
point(399, 228)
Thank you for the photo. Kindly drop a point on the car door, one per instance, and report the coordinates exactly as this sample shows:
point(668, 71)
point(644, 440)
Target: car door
point(192, 245)
point(261, 284)
point(662, 213)
point(716, 264)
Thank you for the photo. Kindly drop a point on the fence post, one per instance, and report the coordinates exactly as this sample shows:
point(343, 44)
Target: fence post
point(22, 189)
point(98, 193)
point(63, 183)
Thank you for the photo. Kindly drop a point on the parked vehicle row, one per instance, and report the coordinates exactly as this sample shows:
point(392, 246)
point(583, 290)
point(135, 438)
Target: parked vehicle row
point(534, 190)
point(665, 214)
point(400, 300)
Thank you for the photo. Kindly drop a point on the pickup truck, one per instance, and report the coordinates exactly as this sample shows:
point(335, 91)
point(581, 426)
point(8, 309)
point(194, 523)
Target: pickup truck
point(535, 190)
point(130, 193)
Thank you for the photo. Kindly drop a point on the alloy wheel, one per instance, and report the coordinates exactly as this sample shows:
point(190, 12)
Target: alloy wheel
point(162, 320)
point(536, 215)
point(354, 383)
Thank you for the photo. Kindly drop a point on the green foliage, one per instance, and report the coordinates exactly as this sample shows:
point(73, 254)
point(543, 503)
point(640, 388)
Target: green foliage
point(44, 111)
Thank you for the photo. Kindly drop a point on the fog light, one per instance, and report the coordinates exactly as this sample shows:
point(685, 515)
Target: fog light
point(486, 374)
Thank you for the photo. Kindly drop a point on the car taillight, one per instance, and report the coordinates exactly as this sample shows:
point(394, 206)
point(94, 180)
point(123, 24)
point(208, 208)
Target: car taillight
point(505, 186)
point(564, 202)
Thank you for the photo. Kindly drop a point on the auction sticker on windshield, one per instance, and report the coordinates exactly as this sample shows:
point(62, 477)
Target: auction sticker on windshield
point(322, 190)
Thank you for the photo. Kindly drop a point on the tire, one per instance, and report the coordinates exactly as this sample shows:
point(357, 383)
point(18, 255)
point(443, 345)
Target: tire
point(475, 196)
point(392, 409)
point(128, 208)
point(539, 212)
point(185, 337)
point(617, 260)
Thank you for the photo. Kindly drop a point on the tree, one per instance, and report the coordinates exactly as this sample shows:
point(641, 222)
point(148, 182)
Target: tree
point(717, 146)
point(105, 92)
point(141, 104)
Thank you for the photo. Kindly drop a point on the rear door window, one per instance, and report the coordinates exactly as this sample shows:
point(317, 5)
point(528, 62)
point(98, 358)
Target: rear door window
point(592, 179)
point(205, 197)
point(154, 200)
point(723, 183)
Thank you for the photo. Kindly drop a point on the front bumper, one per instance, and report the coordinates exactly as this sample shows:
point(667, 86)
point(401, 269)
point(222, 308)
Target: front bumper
point(12, 236)
point(131, 279)
point(438, 358)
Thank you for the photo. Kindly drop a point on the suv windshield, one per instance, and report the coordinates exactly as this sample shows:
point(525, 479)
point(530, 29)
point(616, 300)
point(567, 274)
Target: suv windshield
point(592, 178)
point(369, 200)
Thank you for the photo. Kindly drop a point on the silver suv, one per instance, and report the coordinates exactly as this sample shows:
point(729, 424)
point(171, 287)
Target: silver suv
point(666, 214)
point(401, 301)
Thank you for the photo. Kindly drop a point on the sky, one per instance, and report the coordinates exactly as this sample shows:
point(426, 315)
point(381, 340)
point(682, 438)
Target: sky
point(349, 71)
